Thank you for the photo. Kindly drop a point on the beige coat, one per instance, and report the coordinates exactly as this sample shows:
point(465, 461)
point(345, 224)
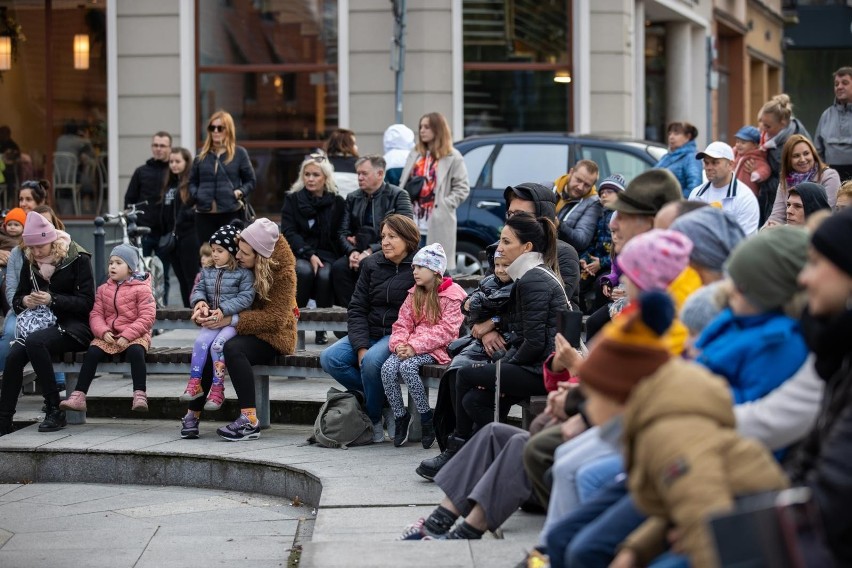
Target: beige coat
point(451, 189)
point(685, 460)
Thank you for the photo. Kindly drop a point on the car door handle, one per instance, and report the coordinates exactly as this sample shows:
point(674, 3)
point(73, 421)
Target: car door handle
point(487, 204)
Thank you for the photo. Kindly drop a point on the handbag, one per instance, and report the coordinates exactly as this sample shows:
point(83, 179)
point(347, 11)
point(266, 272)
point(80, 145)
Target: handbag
point(168, 242)
point(248, 215)
point(33, 319)
point(413, 187)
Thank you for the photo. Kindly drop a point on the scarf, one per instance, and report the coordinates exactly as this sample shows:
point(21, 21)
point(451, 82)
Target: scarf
point(794, 178)
point(427, 167)
point(310, 205)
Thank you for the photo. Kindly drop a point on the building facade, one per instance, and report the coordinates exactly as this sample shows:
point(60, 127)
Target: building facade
point(290, 71)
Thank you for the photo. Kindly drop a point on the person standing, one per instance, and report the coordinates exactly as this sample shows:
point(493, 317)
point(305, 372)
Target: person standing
point(679, 160)
point(311, 213)
point(833, 136)
point(146, 184)
point(398, 141)
point(342, 151)
point(724, 189)
point(179, 217)
point(222, 177)
point(445, 184)
point(363, 214)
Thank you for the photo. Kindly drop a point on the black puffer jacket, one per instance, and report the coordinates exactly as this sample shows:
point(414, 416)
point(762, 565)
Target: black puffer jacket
point(488, 300)
point(381, 289)
point(536, 297)
point(72, 287)
point(569, 267)
point(823, 460)
point(319, 238)
point(386, 200)
point(208, 183)
point(147, 185)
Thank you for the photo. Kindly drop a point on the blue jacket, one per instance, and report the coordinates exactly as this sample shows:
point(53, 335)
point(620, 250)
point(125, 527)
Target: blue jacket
point(231, 291)
point(684, 166)
point(754, 353)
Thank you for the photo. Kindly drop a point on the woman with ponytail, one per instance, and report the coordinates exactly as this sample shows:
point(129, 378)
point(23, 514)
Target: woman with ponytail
point(529, 244)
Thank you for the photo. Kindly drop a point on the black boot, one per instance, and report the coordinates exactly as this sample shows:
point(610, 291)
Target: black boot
point(321, 338)
point(54, 420)
point(428, 469)
point(6, 426)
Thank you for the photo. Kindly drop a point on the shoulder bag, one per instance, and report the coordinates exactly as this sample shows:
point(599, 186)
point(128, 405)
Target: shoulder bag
point(33, 319)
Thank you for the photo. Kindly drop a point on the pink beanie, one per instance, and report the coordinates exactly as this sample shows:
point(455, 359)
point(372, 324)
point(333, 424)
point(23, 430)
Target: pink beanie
point(261, 236)
point(654, 259)
point(38, 230)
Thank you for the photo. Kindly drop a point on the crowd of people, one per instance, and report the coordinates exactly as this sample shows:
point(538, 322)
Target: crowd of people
point(715, 364)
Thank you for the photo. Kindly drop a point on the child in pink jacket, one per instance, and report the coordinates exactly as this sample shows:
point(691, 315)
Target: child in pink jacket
point(748, 148)
point(428, 321)
point(121, 321)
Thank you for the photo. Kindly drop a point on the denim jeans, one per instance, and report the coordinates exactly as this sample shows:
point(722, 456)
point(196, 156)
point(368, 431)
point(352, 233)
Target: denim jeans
point(341, 362)
point(8, 336)
point(594, 476)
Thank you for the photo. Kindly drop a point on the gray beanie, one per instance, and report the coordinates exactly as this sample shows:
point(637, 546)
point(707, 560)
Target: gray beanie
point(129, 255)
point(701, 307)
point(714, 234)
point(765, 267)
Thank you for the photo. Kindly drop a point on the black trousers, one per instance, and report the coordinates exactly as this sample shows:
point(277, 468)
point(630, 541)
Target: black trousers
point(135, 355)
point(185, 262)
point(344, 280)
point(207, 223)
point(241, 352)
point(317, 286)
point(40, 348)
point(475, 393)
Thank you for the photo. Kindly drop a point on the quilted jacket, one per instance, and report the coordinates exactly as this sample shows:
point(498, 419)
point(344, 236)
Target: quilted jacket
point(127, 309)
point(427, 338)
point(231, 291)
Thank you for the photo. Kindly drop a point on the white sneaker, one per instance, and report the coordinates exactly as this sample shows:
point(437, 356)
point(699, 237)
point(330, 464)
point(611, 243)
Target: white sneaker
point(378, 432)
point(389, 422)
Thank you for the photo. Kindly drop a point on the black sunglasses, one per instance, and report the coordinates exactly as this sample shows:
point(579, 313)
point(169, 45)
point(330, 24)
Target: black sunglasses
point(318, 158)
point(215, 128)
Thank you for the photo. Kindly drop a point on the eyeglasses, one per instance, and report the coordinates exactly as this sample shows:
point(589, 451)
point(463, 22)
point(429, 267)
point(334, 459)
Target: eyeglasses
point(215, 128)
point(318, 158)
point(159, 146)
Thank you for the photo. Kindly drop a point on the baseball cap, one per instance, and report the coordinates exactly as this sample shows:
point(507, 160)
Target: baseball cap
point(748, 133)
point(716, 150)
point(647, 193)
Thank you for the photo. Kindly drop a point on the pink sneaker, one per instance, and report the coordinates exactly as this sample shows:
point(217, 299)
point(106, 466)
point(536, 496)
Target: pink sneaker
point(215, 398)
point(193, 390)
point(140, 401)
point(75, 401)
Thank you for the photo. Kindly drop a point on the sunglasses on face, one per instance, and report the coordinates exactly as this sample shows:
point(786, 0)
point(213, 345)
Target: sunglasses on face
point(215, 128)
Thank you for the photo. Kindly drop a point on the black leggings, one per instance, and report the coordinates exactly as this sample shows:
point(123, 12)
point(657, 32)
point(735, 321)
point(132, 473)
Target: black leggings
point(241, 352)
point(41, 346)
point(135, 355)
point(316, 286)
point(475, 406)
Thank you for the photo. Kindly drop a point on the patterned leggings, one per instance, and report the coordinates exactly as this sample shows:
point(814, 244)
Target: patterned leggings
point(409, 370)
point(212, 340)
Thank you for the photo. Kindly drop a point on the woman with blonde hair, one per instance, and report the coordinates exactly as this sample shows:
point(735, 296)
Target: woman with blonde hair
point(222, 177)
point(437, 181)
point(310, 218)
point(800, 163)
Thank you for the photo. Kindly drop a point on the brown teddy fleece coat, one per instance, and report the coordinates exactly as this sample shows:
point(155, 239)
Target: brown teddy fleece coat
point(686, 461)
point(274, 320)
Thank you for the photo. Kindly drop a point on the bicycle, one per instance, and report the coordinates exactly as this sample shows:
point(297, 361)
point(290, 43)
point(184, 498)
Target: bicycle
point(132, 235)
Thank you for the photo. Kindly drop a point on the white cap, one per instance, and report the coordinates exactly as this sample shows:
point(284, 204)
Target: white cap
point(716, 150)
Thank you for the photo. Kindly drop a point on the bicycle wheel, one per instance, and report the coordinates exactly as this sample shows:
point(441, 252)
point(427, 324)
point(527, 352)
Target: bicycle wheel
point(154, 267)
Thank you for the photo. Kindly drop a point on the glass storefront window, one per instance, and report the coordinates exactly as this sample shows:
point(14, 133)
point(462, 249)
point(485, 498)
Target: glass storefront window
point(272, 64)
point(517, 66)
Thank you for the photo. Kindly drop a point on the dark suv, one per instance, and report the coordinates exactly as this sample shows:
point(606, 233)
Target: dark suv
point(497, 161)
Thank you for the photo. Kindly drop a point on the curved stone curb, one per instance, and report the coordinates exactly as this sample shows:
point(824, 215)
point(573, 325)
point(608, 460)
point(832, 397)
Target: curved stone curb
point(140, 468)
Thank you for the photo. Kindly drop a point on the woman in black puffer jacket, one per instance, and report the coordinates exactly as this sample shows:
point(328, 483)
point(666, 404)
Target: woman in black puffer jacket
point(530, 321)
point(222, 177)
point(356, 360)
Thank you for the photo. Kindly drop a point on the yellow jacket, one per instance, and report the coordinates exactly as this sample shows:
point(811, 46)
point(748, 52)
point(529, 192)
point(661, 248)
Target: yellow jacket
point(680, 289)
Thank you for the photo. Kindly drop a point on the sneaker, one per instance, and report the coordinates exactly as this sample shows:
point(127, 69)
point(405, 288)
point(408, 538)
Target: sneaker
point(75, 401)
point(378, 432)
point(401, 430)
point(427, 434)
point(321, 338)
point(140, 401)
point(414, 531)
point(189, 426)
point(239, 430)
point(389, 422)
point(193, 390)
point(215, 398)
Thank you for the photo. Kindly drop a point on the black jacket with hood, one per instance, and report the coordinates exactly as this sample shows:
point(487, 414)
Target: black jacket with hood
point(545, 206)
point(147, 185)
point(813, 197)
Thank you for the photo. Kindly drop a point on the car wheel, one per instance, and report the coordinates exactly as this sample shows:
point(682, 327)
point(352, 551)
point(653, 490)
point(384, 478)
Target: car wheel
point(467, 259)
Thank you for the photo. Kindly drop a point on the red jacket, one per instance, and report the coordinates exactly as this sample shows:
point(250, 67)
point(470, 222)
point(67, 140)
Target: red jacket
point(127, 310)
point(427, 338)
point(759, 174)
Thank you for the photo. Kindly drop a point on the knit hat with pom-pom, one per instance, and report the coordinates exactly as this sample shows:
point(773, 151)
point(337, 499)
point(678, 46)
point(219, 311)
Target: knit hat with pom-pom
point(630, 347)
